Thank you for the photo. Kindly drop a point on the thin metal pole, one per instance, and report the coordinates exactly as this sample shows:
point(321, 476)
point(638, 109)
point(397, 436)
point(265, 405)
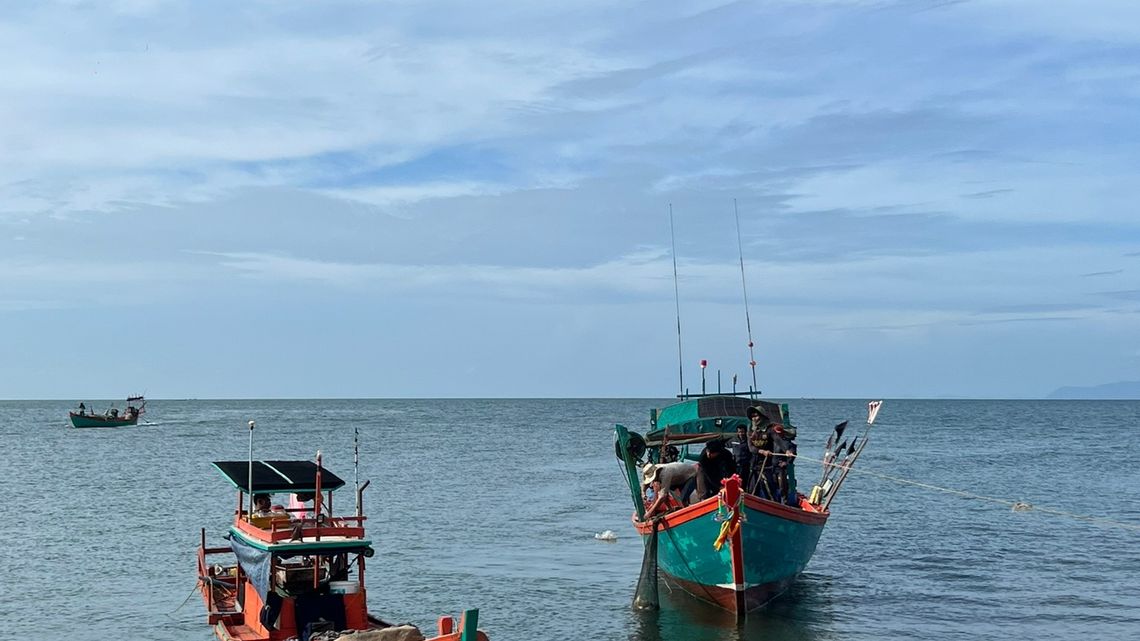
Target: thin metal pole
point(356, 464)
point(677, 300)
point(250, 478)
point(744, 286)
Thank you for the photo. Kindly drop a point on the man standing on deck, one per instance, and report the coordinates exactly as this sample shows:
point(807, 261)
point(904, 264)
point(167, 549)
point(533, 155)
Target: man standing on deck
point(763, 464)
point(784, 449)
point(742, 456)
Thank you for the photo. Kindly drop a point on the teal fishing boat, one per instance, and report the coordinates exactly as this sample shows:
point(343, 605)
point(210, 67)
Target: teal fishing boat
point(110, 418)
point(740, 536)
point(738, 549)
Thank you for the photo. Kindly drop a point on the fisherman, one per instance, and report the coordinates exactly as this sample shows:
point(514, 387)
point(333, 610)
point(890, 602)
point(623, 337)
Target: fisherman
point(263, 506)
point(673, 476)
point(658, 499)
point(763, 463)
point(742, 455)
point(714, 465)
point(82, 409)
point(784, 449)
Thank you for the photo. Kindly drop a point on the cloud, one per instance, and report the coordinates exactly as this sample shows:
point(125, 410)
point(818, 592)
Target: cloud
point(1037, 308)
point(940, 173)
point(987, 194)
point(1125, 295)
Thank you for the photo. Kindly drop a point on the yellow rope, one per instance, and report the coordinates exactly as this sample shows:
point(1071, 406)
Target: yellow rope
point(1019, 506)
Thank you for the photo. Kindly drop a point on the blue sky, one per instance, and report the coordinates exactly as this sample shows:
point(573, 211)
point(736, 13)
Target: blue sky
point(418, 198)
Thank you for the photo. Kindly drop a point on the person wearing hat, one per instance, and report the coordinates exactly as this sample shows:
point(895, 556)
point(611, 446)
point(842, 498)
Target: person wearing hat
point(659, 500)
point(763, 463)
point(673, 476)
point(784, 451)
point(649, 482)
point(759, 423)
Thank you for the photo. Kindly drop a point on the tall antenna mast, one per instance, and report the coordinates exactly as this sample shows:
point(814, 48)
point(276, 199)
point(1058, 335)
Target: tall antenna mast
point(356, 464)
point(677, 300)
point(744, 286)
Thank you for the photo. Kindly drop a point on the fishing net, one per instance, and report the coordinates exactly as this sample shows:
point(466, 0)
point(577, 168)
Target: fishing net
point(645, 598)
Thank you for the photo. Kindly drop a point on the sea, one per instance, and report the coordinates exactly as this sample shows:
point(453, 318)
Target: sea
point(496, 503)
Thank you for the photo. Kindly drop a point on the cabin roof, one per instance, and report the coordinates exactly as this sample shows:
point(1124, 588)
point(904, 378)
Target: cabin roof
point(709, 417)
point(278, 476)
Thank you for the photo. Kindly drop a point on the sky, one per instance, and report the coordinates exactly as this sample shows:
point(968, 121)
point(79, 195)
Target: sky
point(416, 198)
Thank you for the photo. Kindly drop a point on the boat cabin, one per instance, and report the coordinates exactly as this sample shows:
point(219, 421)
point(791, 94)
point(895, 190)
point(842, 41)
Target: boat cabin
point(700, 420)
point(675, 439)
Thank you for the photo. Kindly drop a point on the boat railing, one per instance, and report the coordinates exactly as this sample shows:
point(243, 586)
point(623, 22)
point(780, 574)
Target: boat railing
point(282, 529)
point(208, 579)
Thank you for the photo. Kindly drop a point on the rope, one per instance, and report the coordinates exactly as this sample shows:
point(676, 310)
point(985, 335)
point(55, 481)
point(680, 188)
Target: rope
point(186, 600)
point(1019, 506)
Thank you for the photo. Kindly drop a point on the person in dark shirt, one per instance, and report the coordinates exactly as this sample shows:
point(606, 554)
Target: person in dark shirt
point(784, 447)
point(742, 456)
point(714, 465)
point(763, 463)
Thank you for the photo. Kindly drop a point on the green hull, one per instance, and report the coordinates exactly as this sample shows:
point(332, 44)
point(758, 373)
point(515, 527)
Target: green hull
point(774, 545)
point(766, 544)
point(88, 420)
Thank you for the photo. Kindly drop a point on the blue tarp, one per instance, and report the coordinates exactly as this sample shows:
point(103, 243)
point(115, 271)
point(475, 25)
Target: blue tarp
point(254, 562)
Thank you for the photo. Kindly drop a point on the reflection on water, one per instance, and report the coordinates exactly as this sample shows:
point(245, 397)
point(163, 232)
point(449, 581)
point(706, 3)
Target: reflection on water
point(803, 613)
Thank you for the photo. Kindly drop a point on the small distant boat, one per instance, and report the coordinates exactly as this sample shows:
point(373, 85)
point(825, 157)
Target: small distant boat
point(111, 417)
point(298, 572)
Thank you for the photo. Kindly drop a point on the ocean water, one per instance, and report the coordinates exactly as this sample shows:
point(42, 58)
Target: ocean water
point(495, 503)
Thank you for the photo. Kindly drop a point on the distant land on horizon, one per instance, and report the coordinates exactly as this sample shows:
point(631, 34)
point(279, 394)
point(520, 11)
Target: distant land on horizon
point(1120, 390)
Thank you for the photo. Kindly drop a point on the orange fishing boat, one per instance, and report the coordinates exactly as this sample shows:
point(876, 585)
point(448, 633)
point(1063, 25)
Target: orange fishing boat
point(298, 573)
